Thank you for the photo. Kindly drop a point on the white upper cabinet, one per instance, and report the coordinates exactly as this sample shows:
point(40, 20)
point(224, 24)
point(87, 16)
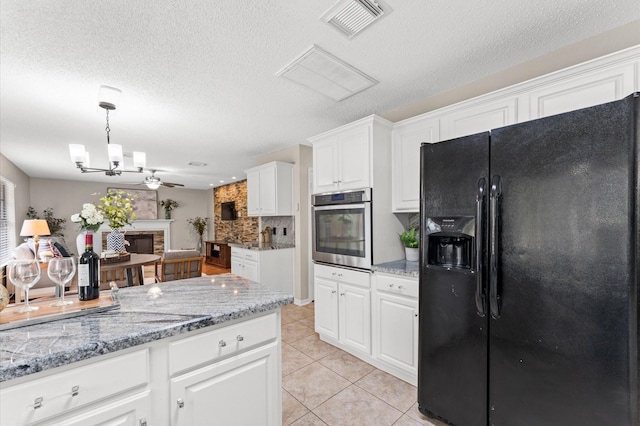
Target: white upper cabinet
point(583, 89)
point(270, 189)
point(343, 157)
point(405, 153)
point(601, 80)
point(472, 118)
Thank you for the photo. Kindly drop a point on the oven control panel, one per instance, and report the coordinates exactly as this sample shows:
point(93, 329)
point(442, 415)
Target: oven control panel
point(347, 197)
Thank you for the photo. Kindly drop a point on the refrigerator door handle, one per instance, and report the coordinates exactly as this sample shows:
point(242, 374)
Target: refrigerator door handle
point(480, 294)
point(494, 299)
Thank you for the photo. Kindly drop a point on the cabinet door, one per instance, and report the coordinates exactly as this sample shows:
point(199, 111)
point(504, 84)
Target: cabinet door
point(326, 307)
point(131, 411)
point(325, 163)
point(253, 193)
point(355, 317)
point(396, 328)
point(406, 162)
point(242, 390)
point(479, 118)
point(237, 266)
point(268, 191)
point(251, 270)
point(354, 158)
point(582, 90)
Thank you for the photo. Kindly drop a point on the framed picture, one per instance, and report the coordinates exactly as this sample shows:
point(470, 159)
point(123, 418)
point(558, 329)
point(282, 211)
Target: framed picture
point(145, 206)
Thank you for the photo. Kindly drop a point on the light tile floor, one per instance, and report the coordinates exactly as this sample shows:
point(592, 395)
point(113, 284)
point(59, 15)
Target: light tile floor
point(323, 385)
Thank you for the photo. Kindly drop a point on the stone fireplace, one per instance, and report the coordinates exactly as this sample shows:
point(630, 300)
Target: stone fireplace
point(157, 234)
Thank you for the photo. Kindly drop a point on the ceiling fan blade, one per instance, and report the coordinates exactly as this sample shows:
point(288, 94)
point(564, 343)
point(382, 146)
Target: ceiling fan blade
point(171, 185)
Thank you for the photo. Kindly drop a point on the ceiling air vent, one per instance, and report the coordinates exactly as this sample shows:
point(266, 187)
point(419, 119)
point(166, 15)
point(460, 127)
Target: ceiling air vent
point(320, 71)
point(353, 16)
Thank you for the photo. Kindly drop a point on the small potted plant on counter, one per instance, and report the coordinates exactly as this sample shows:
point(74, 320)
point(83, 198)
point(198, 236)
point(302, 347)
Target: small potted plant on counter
point(411, 241)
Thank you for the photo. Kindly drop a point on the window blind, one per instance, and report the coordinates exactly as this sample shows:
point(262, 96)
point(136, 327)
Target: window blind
point(7, 220)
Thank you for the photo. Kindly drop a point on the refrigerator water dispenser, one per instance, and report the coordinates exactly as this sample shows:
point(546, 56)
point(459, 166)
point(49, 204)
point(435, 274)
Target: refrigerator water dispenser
point(450, 242)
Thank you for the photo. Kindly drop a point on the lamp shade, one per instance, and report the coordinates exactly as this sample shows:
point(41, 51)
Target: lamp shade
point(32, 227)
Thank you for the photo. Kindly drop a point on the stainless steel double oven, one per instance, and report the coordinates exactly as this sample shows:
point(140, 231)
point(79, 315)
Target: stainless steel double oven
point(341, 227)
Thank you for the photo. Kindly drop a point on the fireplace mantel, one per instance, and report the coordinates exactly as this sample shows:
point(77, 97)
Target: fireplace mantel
point(163, 225)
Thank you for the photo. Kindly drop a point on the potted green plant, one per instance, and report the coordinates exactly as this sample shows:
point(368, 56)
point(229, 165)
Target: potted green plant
point(411, 240)
point(199, 225)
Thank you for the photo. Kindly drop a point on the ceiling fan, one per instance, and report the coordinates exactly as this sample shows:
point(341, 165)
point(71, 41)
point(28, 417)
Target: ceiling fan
point(154, 182)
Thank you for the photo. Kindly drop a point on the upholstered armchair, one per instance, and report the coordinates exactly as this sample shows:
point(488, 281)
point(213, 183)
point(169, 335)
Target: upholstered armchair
point(179, 264)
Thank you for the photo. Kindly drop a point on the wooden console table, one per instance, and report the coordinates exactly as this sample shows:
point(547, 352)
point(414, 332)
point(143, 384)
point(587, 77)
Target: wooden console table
point(218, 254)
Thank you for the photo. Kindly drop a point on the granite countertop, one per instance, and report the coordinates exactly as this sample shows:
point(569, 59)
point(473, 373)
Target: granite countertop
point(146, 313)
point(261, 246)
point(398, 267)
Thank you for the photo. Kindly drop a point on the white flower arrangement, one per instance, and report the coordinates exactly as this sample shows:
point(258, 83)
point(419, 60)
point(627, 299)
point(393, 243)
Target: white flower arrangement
point(90, 218)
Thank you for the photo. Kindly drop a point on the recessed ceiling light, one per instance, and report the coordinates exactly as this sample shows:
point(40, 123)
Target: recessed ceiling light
point(233, 177)
point(211, 184)
point(221, 181)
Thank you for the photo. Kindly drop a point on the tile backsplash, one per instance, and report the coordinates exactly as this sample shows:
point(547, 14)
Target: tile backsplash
point(279, 223)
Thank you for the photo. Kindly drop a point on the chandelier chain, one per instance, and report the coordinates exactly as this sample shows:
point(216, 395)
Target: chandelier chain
point(107, 129)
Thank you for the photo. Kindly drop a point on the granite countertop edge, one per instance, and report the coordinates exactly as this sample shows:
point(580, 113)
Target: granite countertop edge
point(160, 323)
point(260, 247)
point(398, 267)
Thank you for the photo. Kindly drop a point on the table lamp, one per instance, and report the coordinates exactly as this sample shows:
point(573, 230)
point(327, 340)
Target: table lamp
point(35, 228)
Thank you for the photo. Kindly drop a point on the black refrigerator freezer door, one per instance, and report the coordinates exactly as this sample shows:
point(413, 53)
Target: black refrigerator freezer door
point(564, 348)
point(452, 368)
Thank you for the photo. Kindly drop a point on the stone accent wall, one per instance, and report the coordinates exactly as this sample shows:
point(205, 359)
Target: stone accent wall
point(242, 230)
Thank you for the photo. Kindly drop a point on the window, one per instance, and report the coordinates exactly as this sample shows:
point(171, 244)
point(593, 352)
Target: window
point(7, 220)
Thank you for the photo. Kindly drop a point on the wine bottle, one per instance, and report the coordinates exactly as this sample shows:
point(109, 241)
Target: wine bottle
point(89, 272)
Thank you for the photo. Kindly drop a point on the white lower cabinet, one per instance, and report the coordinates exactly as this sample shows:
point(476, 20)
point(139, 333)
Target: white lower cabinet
point(343, 307)
point(273, 268)
point(395, 325)
point(238, 391)
point(371, 316)
point(220, 375)
point(130, 411)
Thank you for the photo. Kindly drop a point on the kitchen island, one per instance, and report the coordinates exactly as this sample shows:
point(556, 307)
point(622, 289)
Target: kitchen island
point(181, 352)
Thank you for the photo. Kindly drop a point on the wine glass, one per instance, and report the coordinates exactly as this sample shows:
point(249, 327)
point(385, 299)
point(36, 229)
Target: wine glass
point(61, 270)
point(25, 274)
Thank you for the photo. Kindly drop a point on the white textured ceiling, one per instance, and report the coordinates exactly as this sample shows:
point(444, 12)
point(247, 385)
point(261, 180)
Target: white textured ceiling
point(198, 77)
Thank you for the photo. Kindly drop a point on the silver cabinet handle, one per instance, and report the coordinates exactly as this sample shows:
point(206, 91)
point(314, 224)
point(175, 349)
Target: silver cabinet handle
point(143, 422)
point(37, 403)
point(222, 343)
point(333, 292)
point(391, 285)
point(400, 287)
point(239, 338)
point(75, 390)
point(341, 294)
point(180, 403)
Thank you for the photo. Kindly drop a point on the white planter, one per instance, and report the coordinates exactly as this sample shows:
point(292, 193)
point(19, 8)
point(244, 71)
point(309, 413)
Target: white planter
point(411, 254)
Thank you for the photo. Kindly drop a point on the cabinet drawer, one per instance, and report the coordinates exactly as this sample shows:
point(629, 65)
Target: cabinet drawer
point(245, 254)
point(49, 396)
point(350, 276)
point(397, 285)
point(207, 347)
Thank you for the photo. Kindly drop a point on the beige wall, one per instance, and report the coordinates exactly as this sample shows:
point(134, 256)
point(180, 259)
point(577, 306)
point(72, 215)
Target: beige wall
point(66, 198)
point(301, 156)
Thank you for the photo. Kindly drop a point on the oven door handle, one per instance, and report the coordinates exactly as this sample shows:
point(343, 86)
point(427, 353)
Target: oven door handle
point(341, 207)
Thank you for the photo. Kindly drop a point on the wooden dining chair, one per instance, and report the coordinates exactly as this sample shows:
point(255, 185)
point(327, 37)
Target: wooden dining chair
point(179, 264)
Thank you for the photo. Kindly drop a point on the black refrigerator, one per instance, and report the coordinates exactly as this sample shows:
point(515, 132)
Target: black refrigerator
point(529, 265)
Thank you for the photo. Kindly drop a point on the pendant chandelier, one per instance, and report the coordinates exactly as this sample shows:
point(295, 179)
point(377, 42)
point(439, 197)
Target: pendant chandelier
point(107, 101)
